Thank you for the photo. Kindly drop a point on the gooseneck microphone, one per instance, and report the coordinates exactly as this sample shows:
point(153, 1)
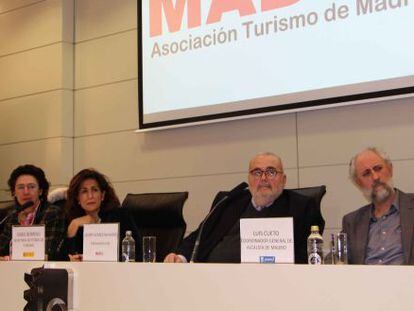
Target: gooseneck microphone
point(235, 192)
point(19, 208)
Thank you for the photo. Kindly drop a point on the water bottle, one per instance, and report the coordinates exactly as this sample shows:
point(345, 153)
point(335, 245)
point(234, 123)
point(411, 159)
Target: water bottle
point(128, 248)
point(315, 247)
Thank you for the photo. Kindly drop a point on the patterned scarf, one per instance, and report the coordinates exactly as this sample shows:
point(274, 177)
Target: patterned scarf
point(30, 217)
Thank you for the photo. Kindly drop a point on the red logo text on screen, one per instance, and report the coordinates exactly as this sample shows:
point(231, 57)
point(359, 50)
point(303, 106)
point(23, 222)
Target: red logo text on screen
point(174, 13)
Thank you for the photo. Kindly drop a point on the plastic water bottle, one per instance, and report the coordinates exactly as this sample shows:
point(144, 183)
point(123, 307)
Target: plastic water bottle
point(315, 247)
point(128, 248)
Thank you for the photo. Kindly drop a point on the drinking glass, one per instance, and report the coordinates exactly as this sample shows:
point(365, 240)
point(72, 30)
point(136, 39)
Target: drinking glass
point(341, 257)
point(149, 248)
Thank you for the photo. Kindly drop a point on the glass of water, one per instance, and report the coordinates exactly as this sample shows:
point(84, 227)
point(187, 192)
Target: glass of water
point(149, 248)
point(341, 249)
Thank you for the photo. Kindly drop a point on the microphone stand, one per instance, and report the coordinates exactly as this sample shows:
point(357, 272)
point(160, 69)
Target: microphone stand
point(18, 210)
point(232, 194)
point(5, 218)
point(200, 231)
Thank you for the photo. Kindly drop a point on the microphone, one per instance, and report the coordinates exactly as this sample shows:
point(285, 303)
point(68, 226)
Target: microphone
point(18, 209)
point(235, 192)
point(26, 205)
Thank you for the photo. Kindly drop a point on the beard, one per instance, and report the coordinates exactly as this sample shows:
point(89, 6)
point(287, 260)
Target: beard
point(265, 198)
point(380, 192)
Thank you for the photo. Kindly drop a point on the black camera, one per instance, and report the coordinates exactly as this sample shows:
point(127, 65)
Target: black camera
point(50, 290)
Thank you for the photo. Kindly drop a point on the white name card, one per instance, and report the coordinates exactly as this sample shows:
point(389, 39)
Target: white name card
point(28, 242)
point(267, 240)
point(100, 242)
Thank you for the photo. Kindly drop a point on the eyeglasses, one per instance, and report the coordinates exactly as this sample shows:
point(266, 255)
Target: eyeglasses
point(269, 172)
point(30, 187)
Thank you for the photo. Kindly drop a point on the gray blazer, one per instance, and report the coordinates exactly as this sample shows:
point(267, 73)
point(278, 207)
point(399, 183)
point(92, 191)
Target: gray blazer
point(356, 226)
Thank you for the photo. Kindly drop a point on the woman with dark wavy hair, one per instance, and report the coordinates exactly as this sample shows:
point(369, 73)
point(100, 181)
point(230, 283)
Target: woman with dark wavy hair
point(29, 188)
point(91, 199)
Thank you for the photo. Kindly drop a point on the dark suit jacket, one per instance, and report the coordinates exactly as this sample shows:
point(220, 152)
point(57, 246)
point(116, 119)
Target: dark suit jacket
point(290, 204)
point(356, 226)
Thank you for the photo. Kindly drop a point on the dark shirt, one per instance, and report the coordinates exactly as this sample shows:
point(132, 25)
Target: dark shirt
point(55, 229)
point(74, 245)
point(228, 249)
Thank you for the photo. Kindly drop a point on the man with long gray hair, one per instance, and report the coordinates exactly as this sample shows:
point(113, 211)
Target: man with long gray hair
point(382, 231)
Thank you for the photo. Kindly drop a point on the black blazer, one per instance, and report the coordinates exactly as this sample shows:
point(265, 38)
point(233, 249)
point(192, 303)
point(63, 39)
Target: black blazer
point(303, 209)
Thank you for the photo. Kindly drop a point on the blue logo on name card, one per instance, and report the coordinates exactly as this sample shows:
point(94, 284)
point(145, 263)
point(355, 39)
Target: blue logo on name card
point(267, 259)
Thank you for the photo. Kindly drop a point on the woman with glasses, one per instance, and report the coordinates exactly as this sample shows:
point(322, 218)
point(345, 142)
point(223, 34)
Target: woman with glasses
point(29, 188)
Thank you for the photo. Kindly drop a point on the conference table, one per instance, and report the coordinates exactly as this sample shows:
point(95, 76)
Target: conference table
point(214, 287)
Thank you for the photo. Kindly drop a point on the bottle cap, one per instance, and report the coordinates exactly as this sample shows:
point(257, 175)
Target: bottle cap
point(128, 232)
point(315, 228)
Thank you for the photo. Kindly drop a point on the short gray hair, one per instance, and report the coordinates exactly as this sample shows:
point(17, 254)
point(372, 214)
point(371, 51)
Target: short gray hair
point(377, 151)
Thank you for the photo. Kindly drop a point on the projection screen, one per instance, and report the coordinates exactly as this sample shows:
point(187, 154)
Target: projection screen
point(203, 60)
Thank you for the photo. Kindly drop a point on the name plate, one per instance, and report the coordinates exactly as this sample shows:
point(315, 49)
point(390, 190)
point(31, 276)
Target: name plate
point(28, 243)
point(101, 242)
point(267, 240)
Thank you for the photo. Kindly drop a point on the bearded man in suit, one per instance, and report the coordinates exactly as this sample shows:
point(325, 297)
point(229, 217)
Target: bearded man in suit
point(382, 231)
